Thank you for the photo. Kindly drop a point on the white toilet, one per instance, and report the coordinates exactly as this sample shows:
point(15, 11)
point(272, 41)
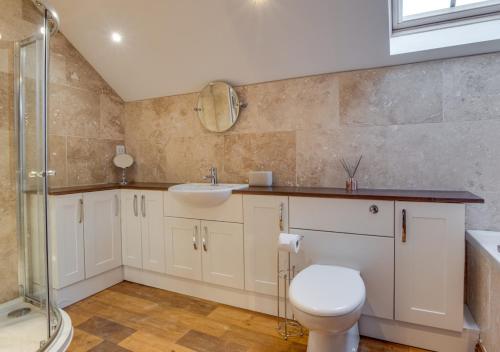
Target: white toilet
point(328, 300)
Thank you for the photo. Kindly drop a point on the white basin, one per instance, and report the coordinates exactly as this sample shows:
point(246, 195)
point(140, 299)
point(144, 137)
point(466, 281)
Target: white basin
point(204, 194)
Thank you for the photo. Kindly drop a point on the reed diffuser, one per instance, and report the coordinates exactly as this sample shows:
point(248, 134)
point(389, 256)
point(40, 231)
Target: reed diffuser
point(351, 184)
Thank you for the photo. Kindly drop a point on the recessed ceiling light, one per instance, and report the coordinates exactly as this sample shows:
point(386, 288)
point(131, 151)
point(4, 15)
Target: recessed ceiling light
point(116, 37)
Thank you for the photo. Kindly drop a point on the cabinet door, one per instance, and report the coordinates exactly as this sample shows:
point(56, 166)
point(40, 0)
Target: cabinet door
point(429, 264)
point(67, 239)
point(265, 217)
point(373, 256)
point(182, 247)
point(131, 228)
point(103, 250)
point(223, 261)
point(153, 243)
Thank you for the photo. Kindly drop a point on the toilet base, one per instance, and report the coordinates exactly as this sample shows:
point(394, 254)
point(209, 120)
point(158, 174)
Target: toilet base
point(322, 341)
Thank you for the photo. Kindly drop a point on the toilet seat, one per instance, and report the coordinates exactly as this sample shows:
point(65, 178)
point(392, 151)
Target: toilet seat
point(327, 290)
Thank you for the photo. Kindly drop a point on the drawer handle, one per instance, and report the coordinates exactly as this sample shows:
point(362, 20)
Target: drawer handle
point(403, 235)
point(195, 236)
point(136, 211)
point(204, 240)
point(374, 209)
point(281, 217)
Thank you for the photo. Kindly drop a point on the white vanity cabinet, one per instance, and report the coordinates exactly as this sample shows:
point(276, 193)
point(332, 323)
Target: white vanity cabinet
point(182, 247)
point(142, 230)
point(354, 233)
point(205, 243)
point(131, 229)
point(265, 217)
point(211, 251)
point(66, 230)
point(429, 259)
point(102, 231)
point(222, 253)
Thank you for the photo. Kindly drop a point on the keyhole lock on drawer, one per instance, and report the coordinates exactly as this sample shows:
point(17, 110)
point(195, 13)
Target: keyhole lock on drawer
point(373, 209)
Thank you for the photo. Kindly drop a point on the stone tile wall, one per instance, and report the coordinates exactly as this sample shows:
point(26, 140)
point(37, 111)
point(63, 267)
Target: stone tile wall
point(432, 125)
point(85, 120)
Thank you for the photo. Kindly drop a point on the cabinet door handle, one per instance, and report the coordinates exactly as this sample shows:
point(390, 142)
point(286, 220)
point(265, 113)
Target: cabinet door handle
point(282, 206)
point(117, 205)
point(143, 205)
point(403, 233)
point(204, 240)
point(195, 238)
point(136, 211)
point(80, 211)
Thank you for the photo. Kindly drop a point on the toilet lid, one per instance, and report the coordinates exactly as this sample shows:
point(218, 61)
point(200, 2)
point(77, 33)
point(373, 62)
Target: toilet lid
point(327, 290)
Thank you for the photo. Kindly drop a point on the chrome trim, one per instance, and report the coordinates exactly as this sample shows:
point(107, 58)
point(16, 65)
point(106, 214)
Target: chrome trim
point(45, 131)
point(50, 13)
point(195, 238)
point(204, 240)
point(143, 205)
point(281, 225)
point(117, 205)
point(80, 210)
point(135, 207)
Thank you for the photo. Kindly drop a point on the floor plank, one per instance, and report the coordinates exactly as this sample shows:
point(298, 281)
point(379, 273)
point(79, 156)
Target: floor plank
point(137, 318)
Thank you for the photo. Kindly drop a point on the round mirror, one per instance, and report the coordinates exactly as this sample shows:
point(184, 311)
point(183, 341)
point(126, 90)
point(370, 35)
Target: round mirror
point(123, 161)
point(218, 107)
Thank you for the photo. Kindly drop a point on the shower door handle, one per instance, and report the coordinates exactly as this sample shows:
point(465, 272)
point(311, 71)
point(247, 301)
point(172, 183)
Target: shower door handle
point(33, 174)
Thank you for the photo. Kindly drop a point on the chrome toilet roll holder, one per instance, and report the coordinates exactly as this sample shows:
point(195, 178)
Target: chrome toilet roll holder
point(286, 327)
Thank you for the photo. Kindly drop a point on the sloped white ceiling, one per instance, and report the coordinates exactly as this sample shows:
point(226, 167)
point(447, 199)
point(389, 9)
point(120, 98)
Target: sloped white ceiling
point(176, 46)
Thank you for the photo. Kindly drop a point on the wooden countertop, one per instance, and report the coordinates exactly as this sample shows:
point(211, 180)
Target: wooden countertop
point(109, 186)
point(378, 194)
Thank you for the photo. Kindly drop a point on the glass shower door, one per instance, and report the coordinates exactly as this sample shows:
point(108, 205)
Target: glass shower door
point(31, 182)
point(32, 188)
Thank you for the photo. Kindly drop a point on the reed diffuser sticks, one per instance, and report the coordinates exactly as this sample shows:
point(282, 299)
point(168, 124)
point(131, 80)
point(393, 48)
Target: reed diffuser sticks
point(351, 169)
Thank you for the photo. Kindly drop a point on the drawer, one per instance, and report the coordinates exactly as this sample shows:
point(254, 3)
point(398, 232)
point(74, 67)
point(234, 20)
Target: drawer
point(367, 217)
point(372, 256)
point(230, 211)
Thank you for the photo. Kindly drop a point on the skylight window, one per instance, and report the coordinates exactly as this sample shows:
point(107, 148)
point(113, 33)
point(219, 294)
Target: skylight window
point(417, 14)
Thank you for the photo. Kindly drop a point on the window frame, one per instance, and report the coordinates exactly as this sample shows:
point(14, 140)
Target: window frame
point(442, 18)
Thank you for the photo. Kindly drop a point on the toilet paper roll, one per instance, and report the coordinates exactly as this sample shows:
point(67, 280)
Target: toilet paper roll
point(288, 242)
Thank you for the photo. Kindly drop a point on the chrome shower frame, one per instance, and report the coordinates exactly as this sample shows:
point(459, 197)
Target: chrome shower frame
point(50, 27)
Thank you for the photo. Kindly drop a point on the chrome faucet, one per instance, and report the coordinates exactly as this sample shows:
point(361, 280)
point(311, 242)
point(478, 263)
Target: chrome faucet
point(213, 175)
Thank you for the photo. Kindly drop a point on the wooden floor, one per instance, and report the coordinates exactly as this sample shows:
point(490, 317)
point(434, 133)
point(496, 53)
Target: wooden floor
point(132, 317)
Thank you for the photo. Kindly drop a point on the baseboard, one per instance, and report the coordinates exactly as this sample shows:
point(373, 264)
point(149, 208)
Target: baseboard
point(83, 289)
point(383, 329)
point(234, 297)
point(421, 336)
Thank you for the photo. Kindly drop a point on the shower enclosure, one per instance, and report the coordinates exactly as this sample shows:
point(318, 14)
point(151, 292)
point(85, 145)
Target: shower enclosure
point(28, 320)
